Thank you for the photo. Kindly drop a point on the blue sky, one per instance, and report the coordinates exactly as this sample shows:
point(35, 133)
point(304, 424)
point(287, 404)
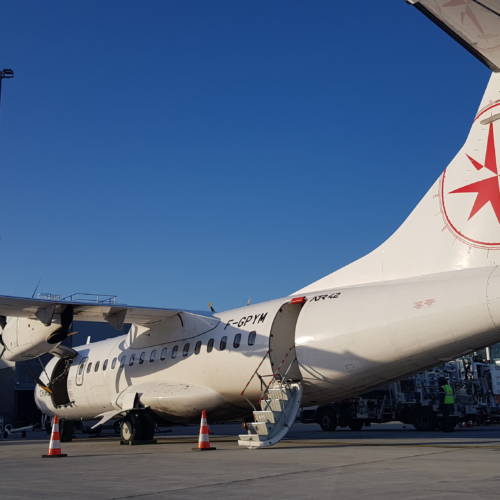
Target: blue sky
point(176, 153)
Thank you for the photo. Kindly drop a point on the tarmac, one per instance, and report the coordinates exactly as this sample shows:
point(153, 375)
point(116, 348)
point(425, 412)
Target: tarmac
point(383, 461)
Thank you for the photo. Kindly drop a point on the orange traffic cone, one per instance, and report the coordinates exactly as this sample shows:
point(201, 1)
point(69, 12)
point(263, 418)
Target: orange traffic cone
point(203, 440)
point(55, 441)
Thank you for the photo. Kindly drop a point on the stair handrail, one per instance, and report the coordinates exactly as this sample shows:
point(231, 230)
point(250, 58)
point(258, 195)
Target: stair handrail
point(264, 387)
point(276, 376)
point(255, 372)
point(289, 366)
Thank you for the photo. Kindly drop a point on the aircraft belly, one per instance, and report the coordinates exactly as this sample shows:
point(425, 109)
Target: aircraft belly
point(179, 400)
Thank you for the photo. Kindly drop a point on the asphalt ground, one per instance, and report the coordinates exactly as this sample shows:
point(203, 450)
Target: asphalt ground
point(384, 461)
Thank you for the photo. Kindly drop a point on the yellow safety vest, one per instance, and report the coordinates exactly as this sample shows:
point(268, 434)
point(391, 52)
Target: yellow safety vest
point(449, 397)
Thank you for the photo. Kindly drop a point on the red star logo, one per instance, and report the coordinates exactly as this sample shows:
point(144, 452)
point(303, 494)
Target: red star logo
point(488, 190)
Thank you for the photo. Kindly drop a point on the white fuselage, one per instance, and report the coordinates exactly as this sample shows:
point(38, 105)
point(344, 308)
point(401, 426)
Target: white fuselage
point(345, 341)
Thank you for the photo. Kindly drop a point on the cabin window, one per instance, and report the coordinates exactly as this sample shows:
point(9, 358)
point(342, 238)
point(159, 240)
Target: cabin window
point(210, 345)
point(113, 363)
point(123, 360)
point(223, 343)
point(197, 347)
point(141, 357)
point(185, 350)
point(163, 354)
point(132, 359)
point(96, 366)
point(82, 366)
point(174, 351)
point(89, 367)
point(152, 357)
point(105, 365)
point(251, 338)
point(237, 340)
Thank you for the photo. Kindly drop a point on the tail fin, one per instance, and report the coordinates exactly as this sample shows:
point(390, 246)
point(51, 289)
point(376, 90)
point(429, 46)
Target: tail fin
point(456, 225)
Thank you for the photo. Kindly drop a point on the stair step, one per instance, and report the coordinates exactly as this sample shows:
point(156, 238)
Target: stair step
point(276, 405)
point(277, 415)
point(278, 393)
point(251, 438)
point(266, 416)
point(260, 428)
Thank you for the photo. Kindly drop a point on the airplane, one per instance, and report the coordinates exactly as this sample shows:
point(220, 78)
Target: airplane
point(429, 293)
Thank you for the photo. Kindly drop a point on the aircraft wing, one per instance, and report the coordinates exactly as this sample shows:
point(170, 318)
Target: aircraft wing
point(473, 23)
point(115, 314)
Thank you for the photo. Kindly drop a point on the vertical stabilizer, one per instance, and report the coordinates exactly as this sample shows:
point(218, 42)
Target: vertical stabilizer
point(456, 225)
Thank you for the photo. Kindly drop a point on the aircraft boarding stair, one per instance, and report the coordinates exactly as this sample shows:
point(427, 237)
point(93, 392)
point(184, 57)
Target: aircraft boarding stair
point(279, 409)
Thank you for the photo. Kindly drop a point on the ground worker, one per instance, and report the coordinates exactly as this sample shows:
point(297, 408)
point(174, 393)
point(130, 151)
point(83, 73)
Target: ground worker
point(447, 401)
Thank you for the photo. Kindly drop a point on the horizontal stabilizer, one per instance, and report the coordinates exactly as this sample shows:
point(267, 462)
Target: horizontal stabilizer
point(475, 24)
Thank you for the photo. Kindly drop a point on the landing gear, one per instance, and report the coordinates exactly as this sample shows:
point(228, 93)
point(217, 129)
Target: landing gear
point(137, 427)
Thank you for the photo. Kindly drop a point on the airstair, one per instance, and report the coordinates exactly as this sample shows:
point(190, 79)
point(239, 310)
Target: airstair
point(279, 401)
point(278, 411)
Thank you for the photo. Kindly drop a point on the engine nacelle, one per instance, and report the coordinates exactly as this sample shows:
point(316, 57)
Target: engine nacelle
point(25, 338)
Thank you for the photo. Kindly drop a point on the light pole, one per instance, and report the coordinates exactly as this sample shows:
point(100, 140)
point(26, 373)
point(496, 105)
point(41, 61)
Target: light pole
point(5, 73)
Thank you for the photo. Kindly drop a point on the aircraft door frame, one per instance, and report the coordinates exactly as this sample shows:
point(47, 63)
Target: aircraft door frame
point(282, 340)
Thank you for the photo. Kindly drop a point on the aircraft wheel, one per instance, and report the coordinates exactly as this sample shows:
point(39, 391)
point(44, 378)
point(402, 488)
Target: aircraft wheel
point(130, 429)
point(137, 427)
point(328, 420)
